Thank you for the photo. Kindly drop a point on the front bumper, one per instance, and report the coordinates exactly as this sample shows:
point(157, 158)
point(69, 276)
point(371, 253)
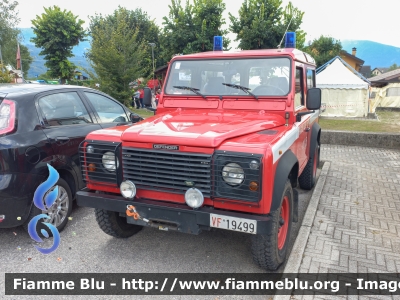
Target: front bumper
point(165, 215)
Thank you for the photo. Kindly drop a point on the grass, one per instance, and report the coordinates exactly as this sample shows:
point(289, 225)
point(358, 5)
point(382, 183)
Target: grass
point(144, 113)
point(388, 121)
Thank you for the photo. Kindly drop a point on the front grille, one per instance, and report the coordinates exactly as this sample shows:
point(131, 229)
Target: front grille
point(167, 171)
point(100, 174)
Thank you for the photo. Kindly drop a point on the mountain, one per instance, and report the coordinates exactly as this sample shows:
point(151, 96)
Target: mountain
point(374, 54)
point(37, 66)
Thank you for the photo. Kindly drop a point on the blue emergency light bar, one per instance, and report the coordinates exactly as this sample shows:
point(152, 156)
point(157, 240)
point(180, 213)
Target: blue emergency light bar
point(290, 40)
point(217, 43)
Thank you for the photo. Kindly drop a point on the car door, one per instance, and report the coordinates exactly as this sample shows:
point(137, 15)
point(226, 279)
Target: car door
point(299, 105)
point(108, 111)
point(67, 121)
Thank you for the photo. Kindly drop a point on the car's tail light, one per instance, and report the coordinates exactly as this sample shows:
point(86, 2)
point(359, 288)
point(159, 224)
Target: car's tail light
point(7, 116)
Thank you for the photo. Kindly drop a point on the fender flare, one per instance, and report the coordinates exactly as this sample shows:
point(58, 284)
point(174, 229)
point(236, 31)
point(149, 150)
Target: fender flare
point(315, 137)
point(283, 172)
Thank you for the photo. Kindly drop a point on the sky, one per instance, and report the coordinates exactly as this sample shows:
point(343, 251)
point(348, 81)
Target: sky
point(341, 19)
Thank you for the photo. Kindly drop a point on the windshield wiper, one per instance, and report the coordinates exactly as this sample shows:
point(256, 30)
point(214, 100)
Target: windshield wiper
point(240, 87)
point(194, 90)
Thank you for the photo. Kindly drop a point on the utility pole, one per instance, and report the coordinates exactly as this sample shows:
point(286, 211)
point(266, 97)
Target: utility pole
point(3, 67)
point(1, 58)
point(152, 54)
point(22, 73)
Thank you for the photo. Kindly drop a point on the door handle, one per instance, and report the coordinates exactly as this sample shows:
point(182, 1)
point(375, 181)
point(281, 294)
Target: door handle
point(62, 139)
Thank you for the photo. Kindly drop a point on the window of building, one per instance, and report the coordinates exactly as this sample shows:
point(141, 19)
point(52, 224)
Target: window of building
point(393, 92)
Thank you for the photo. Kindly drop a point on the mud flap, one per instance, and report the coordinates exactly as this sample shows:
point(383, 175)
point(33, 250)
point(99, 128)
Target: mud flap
point(295, 205)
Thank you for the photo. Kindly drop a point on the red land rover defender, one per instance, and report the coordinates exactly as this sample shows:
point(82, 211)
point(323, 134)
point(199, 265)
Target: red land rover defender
point(233, 136)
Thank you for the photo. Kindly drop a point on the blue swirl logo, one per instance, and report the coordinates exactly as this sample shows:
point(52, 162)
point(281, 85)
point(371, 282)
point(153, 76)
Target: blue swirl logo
point(43, 201)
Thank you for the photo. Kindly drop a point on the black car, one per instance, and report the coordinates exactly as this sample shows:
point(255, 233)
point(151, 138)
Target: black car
point(44, 124)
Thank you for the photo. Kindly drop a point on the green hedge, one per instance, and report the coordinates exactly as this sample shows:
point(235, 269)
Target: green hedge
point(88, 83)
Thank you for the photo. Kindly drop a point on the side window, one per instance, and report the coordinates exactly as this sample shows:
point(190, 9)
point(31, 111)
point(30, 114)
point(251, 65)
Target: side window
point(310, 78)
point(63, 109)
point(299, 89)
point(108, 110)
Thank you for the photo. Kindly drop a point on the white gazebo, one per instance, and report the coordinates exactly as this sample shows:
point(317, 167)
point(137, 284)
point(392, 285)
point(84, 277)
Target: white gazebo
point(344, 90)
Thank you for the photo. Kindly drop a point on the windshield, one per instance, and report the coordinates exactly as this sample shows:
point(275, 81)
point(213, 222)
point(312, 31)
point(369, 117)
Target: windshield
point(262, 76)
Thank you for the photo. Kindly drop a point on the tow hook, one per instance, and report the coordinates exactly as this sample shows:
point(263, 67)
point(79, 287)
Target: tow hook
point(131, 212)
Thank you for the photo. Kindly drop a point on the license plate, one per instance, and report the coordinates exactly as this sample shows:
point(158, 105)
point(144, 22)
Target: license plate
point(234, 224)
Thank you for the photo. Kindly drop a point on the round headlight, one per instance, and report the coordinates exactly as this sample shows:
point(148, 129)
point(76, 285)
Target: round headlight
point(254, 165)
point(233, 174)
point(108, 161)
point(128, 189)
point(194, 198)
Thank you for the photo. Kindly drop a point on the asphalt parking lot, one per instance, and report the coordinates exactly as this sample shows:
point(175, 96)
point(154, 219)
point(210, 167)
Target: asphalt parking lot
point(84, 248)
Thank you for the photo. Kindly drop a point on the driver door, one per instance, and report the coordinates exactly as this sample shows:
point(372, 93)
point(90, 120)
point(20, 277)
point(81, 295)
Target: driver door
point(66, 122)
point(108, 111)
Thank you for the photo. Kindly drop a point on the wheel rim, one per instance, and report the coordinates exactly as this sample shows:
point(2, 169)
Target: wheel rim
point(59, 210)
point(283, 223)
point(315, 163)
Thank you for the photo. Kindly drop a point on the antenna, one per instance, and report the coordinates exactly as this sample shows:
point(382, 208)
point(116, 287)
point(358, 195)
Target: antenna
point(279, 46)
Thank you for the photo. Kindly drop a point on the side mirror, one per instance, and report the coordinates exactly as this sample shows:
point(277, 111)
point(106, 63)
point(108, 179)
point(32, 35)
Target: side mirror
point(147, 96)
point(135, 118)
point(314, 99)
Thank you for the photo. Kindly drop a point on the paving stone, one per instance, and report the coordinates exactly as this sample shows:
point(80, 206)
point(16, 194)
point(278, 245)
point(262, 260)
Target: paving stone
point(357, 224)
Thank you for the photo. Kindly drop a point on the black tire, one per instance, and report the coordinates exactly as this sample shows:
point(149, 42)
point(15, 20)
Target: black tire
point(268, 251)
point(308, 178)
point(64, 189)
point(112, 224)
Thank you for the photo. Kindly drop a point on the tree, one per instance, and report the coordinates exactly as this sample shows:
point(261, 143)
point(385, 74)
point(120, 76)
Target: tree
point(8, 22)
point(192, 28)
point(262, 23)
point(147, 32)
point(119, 50)
point(393, 67)
point(323, 49)
point(4, 75)
point(9, 36)
point(57, 32)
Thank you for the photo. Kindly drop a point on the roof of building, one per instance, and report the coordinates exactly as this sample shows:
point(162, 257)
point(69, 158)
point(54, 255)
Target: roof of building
point(345, 53)
point(366, 71)
point(382, 70)
point(324, 66)
point(161, 69)
point(16, 72)
point(386, 76)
